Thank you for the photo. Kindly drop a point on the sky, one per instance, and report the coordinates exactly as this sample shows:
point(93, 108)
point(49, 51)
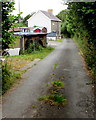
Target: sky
point(29, 6)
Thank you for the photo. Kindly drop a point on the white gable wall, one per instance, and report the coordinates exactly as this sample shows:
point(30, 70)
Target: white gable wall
point(39, 19)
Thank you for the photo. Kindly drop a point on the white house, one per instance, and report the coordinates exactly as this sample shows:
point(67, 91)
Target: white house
point(46, 19)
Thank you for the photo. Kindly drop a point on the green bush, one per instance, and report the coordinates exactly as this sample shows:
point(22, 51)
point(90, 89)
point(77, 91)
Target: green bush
point(31, 47)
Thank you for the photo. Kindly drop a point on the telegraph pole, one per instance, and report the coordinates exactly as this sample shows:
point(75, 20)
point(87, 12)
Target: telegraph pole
point(19, 10)
point(19, 5)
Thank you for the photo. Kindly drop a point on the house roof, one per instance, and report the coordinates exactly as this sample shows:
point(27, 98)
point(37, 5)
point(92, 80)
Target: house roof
point(50, 16)
point(29, 33)
point(52, 34)
point(26, 28)
point(14, 29)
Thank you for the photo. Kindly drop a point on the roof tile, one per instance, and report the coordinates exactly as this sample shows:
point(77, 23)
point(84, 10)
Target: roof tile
point(50, 16)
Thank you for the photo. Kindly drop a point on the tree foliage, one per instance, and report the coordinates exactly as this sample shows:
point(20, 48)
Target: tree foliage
point(81, 24)
point(62, 16)
point(82, 17)
point(8, 21)
point(26, 18)
point(24, 22)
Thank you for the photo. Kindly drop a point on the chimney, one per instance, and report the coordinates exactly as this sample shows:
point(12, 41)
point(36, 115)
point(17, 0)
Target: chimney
point(50, 11)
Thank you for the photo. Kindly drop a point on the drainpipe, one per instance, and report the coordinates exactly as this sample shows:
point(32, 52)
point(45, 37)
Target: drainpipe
point(22, 43)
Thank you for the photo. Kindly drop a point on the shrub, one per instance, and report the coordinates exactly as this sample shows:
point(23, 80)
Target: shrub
point(31, 47)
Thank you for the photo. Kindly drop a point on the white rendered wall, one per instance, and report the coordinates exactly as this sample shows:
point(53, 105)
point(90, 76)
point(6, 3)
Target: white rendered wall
point(51, 38)
point(39, 19)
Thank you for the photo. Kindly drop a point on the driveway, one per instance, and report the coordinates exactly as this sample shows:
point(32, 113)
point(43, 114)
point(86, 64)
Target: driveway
point(22, 101)
point(54, 43)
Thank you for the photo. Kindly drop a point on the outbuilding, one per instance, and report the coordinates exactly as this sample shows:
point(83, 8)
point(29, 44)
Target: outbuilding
point(35, 37)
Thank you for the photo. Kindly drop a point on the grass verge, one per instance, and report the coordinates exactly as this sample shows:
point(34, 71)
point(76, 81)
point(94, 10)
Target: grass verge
point(59, 40)
point(13, 64)
point(20, 61)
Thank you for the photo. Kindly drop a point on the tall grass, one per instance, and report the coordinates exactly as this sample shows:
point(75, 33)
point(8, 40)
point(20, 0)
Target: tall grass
point(89, 53)
point(8, 76)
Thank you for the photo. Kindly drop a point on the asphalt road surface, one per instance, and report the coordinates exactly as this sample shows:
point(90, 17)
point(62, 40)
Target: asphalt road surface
point(22, 101)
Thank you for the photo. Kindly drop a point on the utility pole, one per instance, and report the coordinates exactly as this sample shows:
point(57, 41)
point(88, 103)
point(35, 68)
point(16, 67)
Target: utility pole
point(19, 10)
point(19, 5)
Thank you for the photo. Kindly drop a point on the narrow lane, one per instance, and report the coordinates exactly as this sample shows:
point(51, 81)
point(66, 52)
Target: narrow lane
point(19, 102)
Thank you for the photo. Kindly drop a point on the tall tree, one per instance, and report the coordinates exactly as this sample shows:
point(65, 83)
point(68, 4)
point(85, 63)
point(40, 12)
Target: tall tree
point(81, 22)
point(8, 21)
point(62, 16)
point(26, 18)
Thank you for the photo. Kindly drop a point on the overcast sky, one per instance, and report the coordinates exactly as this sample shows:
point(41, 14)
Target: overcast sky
point(29, 6)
